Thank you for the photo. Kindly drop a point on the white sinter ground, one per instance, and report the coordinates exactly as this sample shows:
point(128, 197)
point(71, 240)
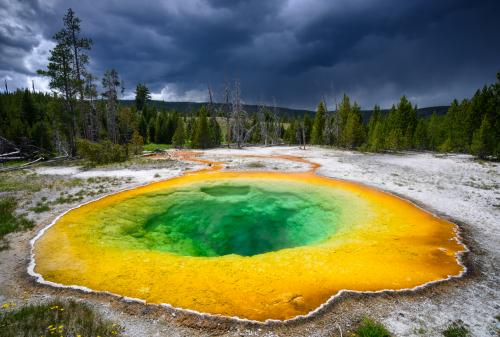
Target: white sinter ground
point(453, 185)
point(456, 186)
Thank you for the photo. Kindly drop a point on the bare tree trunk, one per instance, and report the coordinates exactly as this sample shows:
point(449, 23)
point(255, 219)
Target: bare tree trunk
point(264, 132)
point(69, 106)
point(111, 83)
point(275, 123)
point(237, 114)
point(227, 95)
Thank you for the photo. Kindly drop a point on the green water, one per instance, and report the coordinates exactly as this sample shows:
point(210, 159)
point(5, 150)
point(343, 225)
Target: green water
point(215, 219)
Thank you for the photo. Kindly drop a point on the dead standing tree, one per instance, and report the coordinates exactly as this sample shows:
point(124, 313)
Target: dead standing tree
point(276, 124)
point(226, 112)
point(269, 124)
point(238, 116)
point(264, 132)
point(91, 122)
point(328, 132)
point(210, 105)
point(111, 84)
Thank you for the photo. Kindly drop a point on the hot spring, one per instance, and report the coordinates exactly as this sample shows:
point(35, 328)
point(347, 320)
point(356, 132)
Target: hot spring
point(233, 217)
point(253, 245)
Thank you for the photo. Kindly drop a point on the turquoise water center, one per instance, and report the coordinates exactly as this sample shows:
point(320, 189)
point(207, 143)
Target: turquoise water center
point(225, 217)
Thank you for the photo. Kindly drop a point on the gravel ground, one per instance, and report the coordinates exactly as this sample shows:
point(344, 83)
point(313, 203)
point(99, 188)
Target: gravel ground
point(453, 186)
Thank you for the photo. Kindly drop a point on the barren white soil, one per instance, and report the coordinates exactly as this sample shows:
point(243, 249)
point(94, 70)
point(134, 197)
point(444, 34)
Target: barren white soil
point(454, 186)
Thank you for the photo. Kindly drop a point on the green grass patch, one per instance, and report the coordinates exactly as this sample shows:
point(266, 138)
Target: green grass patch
point(17, 181)
point(154, 146)
point(370, 328)
point(456, 329)
point(57, 318)
point(9, 220)
point(14, 163)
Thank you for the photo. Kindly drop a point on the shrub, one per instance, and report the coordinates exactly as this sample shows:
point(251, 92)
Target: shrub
point(370, 328)
point(57, 318)
point(456, 329)
point(9, 220)
point(103, 152)
point(136, 144)
point(40, 207)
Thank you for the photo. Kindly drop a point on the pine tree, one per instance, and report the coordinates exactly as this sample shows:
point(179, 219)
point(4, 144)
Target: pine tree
point(142, 96)
point(456, 131)
point(28, 110)
point(420, 136)
point(60, 72)
point(435, 132)
point(143, 127)
point(481, 140)
point(394, 130)
point(201, 134)
point(319, 124)
point(41, 136)
point(372, 123)
point(70, 35)
point(171, 126)
point(406, 122)
point(341, 119)
point(291, 132)
point(215, 132)
point(378, 137)
point(161, 128)
point(354, 131)
point(179, 138)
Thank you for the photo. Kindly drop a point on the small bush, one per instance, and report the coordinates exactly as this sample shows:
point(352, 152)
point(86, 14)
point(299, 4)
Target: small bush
point(456, 329)
point(256, 164)
point(57, 318)
point(370, 328)
point(104, 152)
point(136, 145)
point(40, 207)
point(9, 220)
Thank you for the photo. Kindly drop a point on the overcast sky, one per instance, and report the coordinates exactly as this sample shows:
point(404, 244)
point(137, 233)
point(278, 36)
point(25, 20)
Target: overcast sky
point(294, 51)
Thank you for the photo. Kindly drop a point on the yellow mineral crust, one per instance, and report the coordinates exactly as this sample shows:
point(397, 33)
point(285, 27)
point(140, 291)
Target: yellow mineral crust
point(396, 246)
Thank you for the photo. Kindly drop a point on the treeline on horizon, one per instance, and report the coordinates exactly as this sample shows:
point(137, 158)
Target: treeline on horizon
point(77, 120)
point(470, 126)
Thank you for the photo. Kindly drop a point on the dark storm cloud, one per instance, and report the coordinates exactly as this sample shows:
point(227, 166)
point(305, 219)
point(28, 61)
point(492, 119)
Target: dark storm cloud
point(295, 51)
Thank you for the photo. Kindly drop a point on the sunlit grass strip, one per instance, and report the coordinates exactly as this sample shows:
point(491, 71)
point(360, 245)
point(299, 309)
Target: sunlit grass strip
point(55, 318)
point(400, 247)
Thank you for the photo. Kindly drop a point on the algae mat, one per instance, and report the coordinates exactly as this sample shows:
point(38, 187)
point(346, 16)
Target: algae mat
point(258, 246)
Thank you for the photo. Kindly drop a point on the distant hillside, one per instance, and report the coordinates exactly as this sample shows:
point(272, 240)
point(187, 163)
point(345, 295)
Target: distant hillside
point(188, 107)
point(421, 112)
